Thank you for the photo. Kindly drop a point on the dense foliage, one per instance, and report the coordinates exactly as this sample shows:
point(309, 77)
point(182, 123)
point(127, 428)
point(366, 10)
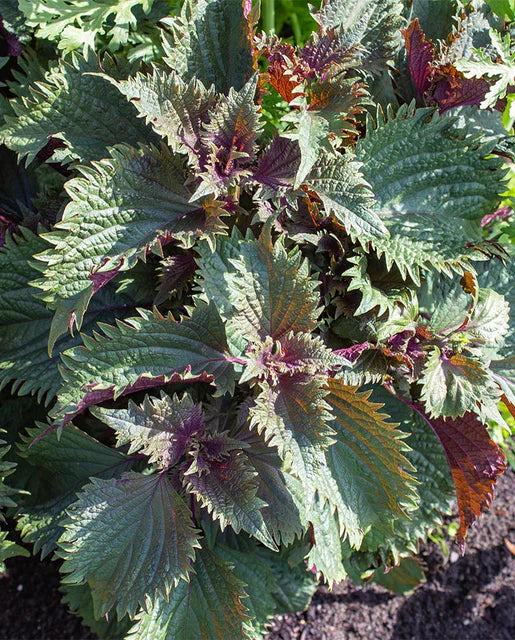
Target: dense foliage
point(289, 261)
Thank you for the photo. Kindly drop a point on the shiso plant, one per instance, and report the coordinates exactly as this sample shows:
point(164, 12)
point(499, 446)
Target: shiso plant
point(256, 298)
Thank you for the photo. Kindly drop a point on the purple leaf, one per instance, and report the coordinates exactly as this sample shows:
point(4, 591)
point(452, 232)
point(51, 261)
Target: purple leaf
point(420, 54)
point(278, 165)
point(13, 44)
point(501, 214)
point(352, 353)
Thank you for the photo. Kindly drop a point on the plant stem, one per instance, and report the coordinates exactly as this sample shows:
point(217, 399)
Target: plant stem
point(269, 16)
point(295, 27)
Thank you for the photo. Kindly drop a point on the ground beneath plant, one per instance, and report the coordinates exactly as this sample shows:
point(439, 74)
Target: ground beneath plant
point(467, 598)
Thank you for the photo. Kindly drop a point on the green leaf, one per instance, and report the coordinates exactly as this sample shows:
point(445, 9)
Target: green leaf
point(227, 489)
point(160, 427)
point(490, 319)
point(273, 291)
point(293, 416)
point(312, 136)
point(216, 270)
point(152, 541)
point(63, 466)
point(210, 41)
point(373, 25)
point(6, 469)
point(436, 17)
point(421, 241)
point(486, 124)
point(14, 20)
point(444, 301)
point(210, 606)
point(42, 525)
point(176, 110)
point(503, 372)
point(260, 585)
point(121, 208)
point(427, 456)
point(346, 194)
point(9, 549)
point(481, 65)
point(402, 579)
point(369, 463)
point(325, 556)
point(384, 296)
point(500, 276)
point(416, 165)
point(144, 352)
point(25, 322)
point(294, 585)
point(454, 385)
point(79, 24)
point(53, 107)
point(503, 8)
point(80, 603)
point(283, 516)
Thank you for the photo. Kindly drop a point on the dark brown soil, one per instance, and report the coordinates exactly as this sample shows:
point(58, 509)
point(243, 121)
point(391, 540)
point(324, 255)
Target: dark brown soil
point(471, 598)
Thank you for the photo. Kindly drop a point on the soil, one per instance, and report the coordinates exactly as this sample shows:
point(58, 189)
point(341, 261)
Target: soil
point(468, 598)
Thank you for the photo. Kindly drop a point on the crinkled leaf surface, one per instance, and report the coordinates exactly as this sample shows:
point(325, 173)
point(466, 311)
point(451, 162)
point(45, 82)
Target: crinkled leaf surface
point(160, 427)
point(210, 606)
point(151, 541)
point(418, 166)
point(56, 108)
point(273, 290)
point(325, 557)
point(144, 352)
point(79, 601)
point(77, 24)
point(260, 584)
point(454, 385)
point(419, 241)
point(216, 269)
point(63, 465)
point(293, 415)
point(176, 110)
point(369, 463)
point(427, 456)
point(120, 208)
point(345, 193)
point(228, 488)
point(283, 516)
point(26, 322)
point(210, 40)
point(372, 24)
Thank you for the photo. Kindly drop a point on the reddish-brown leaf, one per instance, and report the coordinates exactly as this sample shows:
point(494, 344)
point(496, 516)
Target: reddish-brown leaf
point(452, 89)
point(436, 82)
point(508, 405)
point(282, 74)
point(475, 462)
point(420, 55)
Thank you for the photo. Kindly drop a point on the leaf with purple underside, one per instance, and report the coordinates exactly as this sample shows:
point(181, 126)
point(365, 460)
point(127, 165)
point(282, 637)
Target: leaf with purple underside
point(475, 462)
point(142, 353)
point(277, 167)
